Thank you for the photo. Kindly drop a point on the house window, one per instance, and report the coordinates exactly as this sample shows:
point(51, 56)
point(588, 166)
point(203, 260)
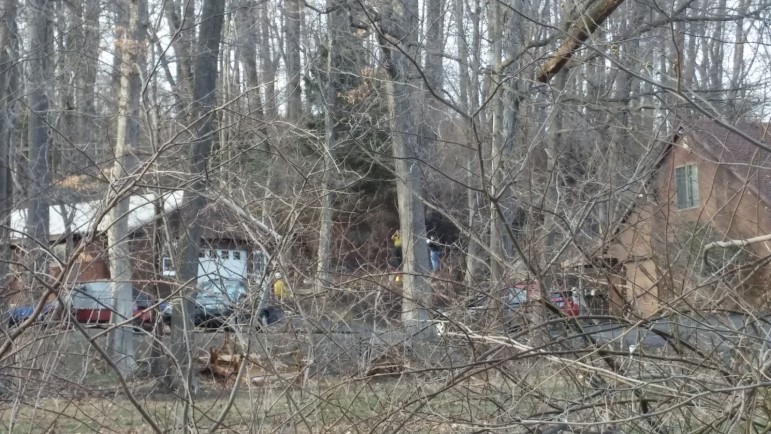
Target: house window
point(224, 254)
point(259, 263)
point(687, 186)
point(167, 267)
point(236, 255)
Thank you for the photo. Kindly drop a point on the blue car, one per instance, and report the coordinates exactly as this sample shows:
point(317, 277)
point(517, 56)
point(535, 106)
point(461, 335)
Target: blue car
point(20, 314)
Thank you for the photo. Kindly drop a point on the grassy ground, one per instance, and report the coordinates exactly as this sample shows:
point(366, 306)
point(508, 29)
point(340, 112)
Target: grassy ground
point(332, 406)
point(56, 383)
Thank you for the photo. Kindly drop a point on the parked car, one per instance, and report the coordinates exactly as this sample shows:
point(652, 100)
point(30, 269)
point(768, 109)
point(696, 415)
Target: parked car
point(215, 303)
point(143, 312)
point(514, 304)
point(567, 301)
point(219, 302)
point(19, 314)
point(92, 303)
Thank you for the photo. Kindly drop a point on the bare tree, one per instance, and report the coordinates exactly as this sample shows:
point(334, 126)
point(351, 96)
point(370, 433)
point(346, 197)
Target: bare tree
point(336, 24)
point(205, 74)
point(292, 34)
point(398, 40)
point(565, 182)
point(129, 43)
point(39, 136)
point(506, 96)
point(8, 84)
point(180, 16)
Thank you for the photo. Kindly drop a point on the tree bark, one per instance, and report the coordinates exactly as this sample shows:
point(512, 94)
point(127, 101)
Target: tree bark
point(183, 43)
point(246, 32)
point(403, 93)
point(82, 51)
point(504, 131)
point(292, 29)
point(128, 43)
point(737, 67)
point(434, 70)
point(336, 25)
point(268, 71)
point(40, 68)
point(8, 78)
point(469, 104)
point(578, 31)
point(267, 65)
point(194, 199)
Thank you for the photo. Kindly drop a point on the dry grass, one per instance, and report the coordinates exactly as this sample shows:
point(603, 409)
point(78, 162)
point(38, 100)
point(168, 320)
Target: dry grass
point(331, 405)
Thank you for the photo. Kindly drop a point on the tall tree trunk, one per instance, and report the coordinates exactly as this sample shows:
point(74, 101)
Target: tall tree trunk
point(87, 68)
point(80, 37)
point(554, 145)
point(434, 77)
point(400, 26)
point(39, 137)
point(336, 25)
point(204, 101)
point(268, 71)
point(472, 173)
point(267, 64)
point(737, 68)
point(292, 29)
point(434, 70)
point(181, 21)
point(246, 32)
point(503, 138)
point(129, 42)
point(8, 76)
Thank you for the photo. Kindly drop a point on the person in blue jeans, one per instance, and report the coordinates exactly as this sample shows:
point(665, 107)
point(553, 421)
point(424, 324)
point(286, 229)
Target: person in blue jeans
point(433, 250)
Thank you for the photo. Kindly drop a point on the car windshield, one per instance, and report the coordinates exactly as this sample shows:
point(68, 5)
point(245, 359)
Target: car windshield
point(208, 298)
point(143, 300)
point(515, 296)
point(233, 289)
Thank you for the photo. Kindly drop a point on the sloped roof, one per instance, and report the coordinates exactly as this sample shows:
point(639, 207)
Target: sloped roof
point(713, 141)
point(78, 218)
point(748, 162)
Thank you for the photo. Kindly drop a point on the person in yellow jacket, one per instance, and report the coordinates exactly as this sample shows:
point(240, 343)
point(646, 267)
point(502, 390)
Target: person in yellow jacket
point(280, 289)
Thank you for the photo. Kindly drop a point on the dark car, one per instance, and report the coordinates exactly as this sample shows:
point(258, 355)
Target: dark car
point(214, 303)
point(19, 314)
point(217, 302)
point(212, 310)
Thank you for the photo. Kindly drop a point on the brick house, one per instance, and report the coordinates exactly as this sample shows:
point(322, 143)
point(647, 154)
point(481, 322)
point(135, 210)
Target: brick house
point(709, 184)
point(226, 250)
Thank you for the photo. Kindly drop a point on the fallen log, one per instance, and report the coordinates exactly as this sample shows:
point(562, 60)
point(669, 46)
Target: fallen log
point(222, 365)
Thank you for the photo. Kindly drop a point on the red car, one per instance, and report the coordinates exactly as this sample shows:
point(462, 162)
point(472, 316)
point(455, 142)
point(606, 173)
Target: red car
point(566, 302)
point(92, 303)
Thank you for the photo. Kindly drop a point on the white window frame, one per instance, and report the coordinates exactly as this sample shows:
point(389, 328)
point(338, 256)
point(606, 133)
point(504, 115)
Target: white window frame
point(687, 186)
point(167, 267)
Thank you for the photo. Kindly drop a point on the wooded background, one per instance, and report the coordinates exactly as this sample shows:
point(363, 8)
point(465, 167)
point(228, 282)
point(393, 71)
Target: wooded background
point(518, 133)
